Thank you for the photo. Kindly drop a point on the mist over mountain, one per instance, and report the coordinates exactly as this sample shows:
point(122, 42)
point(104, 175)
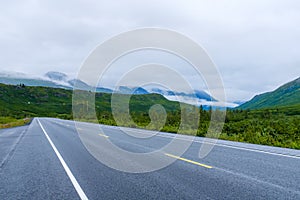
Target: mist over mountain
point(57, 76)
point(63, 79)
point(15, 78)
point(78, 83)
point(193, 94)
point(60, 80)
point(50, 79)
point(131, 90)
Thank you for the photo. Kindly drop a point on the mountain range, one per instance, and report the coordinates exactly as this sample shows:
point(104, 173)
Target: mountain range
point(61, 80)
point(286, 95)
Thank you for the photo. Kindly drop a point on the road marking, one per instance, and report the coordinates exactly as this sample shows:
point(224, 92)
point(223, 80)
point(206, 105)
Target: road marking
point(100, 134)
point(65, 166)
point(254, 150)
point(232, 147)
point(217, 144)
point(189, 161)
point(12, 149)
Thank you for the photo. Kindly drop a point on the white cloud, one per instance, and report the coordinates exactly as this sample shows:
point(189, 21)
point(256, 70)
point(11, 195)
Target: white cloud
point(255, 44)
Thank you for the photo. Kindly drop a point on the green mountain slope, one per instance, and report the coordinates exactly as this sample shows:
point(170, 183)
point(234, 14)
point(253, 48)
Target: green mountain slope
point(20, 101)
point(27, 101)
point(277, 127)
point(284, 96)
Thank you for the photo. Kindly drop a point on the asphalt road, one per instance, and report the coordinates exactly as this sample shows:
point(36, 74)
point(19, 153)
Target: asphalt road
point(47, 160)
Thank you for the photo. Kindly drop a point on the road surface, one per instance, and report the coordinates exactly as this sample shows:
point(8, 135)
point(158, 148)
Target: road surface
point(47, 160)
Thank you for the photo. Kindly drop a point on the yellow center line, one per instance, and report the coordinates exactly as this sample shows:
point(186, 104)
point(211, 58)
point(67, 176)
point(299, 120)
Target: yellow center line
point(100, 134)
point(189, 161)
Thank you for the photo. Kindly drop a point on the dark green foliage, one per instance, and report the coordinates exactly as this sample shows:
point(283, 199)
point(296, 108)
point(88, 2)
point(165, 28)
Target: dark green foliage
point(20, 101)
point(277, 126)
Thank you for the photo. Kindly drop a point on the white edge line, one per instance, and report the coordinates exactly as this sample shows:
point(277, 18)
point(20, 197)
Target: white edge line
point(11, 151)
point(228, 146)
point(217, 144)
point(240, 148)
point(65, 166)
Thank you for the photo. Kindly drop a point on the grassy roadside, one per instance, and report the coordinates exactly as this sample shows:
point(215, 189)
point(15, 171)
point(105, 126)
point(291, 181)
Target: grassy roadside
point(9, 122)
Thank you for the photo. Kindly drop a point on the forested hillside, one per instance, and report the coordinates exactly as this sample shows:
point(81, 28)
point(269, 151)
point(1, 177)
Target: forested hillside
point(277, 126)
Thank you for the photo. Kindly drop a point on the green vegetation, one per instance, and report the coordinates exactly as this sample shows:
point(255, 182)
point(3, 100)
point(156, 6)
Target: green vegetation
point(277, 126)
point(9, 122)
point(286, 95)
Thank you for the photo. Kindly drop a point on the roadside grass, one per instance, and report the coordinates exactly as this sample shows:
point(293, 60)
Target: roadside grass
point(9, 122)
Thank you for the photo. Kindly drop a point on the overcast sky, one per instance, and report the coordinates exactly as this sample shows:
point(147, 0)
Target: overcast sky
point(255, 44)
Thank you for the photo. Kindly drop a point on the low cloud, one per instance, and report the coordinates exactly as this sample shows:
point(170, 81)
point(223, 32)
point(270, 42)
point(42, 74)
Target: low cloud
point(255, 44)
